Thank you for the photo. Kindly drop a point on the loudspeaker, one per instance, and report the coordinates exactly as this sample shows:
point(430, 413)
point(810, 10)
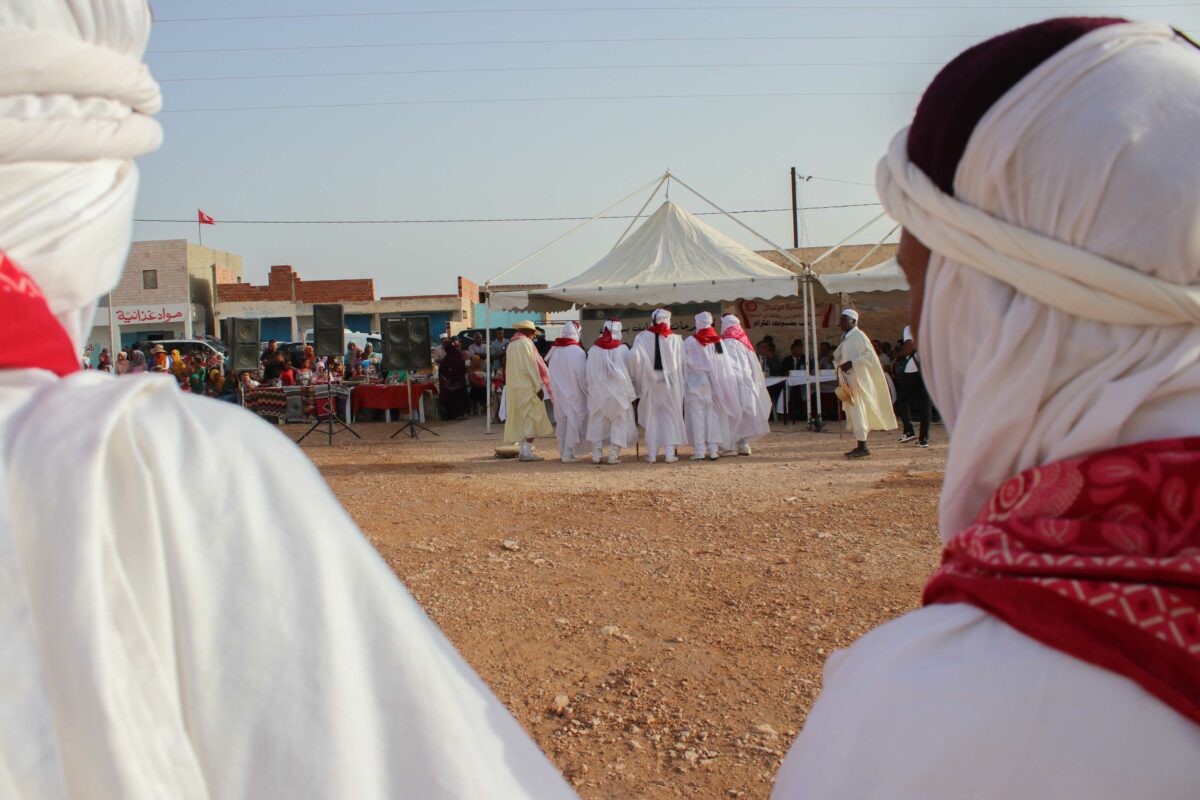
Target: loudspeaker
point(329, 326)
point(244, 344)
point(406, 344)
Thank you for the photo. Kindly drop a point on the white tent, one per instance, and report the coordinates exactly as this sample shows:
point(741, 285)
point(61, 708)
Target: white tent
point(885, 277)
point(672, 258)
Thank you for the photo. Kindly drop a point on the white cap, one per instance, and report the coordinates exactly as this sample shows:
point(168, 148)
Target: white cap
point(660, 315)
point(907, 335)
point(704, 320)
point(570, 330)
point(614, 326)
point(851, 313)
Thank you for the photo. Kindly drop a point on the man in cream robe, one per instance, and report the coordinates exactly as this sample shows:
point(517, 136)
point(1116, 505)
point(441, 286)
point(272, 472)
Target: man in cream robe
point(710, 400)
point(526, 381)
point(869, 405)
point(610, 395)
point(656, 366)
point(753, 402)
point(187, 611)
point(567, 364)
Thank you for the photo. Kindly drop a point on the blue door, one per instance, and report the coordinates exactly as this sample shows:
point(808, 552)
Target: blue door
point(277, 328)
point(359, 323)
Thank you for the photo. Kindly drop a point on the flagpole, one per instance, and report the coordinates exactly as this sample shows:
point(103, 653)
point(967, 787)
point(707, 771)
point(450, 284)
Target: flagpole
point(199, 230)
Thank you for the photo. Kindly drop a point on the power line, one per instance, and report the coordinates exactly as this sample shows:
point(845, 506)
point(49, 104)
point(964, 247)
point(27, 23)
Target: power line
point(660, 9)
point(615, 40)
point(192, 220)
point(562, 99)
point(552, 69)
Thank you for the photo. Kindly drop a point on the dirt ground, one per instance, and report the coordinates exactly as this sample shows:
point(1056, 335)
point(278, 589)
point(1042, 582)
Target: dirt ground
point(659, 630)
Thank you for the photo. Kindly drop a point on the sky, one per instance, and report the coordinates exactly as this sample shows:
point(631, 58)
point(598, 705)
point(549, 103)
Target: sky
point(516, 109)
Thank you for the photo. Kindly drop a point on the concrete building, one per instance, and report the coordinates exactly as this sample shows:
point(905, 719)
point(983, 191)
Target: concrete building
point(166, 292)
point(284, 304)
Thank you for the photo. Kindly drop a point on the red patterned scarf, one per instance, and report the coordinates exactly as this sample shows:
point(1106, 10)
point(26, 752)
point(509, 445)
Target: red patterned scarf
point(30, 336)
point(1098, 557)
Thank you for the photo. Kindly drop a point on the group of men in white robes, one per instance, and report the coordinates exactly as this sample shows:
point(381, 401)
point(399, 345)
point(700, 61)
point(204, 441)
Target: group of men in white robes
point(707, 390)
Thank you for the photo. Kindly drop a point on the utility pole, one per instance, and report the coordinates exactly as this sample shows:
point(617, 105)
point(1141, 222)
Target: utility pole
point(795, 214)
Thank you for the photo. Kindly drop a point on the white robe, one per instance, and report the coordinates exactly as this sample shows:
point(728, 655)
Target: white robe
point(568, 384)
point(709, 398)
point(753, 400)
point(610, 398)
point(949, 702)
point(660, 392)
point(871, 406)
point(189, 613)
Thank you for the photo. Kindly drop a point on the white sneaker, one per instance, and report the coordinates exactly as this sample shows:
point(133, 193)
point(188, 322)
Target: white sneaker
point(651, 459)
point(597, 456)
point(907, 437)
point(698, 455)
point(568, 459)
point(614, 457)
point(671, 458)
point(743, 450)
point(714, 453)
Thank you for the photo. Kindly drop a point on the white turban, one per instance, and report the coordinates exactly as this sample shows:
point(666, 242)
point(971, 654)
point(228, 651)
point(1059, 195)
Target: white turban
point(660, 315)
point(1060, 311)
point(730, 321)
point(704, 320)
point(614, 327)
point(75, 106)
point(570, 330)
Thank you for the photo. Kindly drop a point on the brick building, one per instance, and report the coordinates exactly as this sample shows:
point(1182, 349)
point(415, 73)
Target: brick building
point(166, 292)
point(284, 304)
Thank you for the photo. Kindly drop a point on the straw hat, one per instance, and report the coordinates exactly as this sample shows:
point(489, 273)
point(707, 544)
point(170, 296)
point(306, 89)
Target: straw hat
point(525, 325)
point(158, 348)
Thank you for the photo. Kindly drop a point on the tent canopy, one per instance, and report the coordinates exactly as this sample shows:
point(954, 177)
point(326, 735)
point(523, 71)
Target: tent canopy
point(885, 277)
point(672, 257)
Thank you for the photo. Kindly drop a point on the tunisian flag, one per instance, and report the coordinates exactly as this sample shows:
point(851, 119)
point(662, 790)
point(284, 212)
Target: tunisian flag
point(205, 219)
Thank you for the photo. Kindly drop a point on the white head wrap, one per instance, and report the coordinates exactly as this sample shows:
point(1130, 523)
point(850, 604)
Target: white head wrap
point(1060, 313)
point(660, 315)
point(851, 313)
point(704, 320)
point(730, 321)
point(614, 327)
point(75, 106)
point(570, 330)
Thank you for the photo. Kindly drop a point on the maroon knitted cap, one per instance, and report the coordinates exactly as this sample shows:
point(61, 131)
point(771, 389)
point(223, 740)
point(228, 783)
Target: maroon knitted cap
point(972, 83)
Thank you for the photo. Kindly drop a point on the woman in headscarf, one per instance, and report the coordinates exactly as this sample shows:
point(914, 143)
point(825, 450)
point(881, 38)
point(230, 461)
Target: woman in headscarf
point(452, 382)
point(1049, 189)
point(105, 362)
point(177, 367)
point(137, 361)
point(122, 363)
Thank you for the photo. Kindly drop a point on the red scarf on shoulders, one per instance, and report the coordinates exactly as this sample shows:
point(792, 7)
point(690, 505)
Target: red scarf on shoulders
point(607, 342)
point(707, 335)
point(30, 335)
point(738, 333)
point(1099, 557)
point(562, 342)
point(661, 328)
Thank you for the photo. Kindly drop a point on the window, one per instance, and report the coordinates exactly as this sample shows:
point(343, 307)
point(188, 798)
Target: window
point(149, 279)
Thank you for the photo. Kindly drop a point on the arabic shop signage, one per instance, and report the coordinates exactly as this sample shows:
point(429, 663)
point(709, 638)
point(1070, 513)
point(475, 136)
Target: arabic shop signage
point(139, 315)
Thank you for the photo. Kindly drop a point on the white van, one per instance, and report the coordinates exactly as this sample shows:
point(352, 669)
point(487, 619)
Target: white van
point(360, 339)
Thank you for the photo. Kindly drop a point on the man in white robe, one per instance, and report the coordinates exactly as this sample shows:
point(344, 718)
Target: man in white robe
point(1052, 243)
point(868, 402)
point(656, 366)
point(567, 364)
point(610, 396)
point(753, 401)
point(709, 400)
point(187, 611)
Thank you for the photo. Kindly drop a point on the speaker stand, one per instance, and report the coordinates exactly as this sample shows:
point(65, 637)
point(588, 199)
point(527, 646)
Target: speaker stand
point(410, 427)
point(330, 420)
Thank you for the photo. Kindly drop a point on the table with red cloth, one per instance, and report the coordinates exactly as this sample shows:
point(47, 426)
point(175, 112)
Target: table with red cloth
point(387, 396)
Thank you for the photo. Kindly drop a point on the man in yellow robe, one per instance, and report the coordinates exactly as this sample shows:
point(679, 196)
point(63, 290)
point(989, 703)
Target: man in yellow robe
point(869, 404)
point(526, 383)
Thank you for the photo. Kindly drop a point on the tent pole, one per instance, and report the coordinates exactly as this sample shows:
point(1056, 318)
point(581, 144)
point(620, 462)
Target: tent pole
point(807, 358)
point(487, 377)
point(640, 211)
point(830, 251)
point(812, 308)
point(871, 252)
point(590, 220)
point(795, 214)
